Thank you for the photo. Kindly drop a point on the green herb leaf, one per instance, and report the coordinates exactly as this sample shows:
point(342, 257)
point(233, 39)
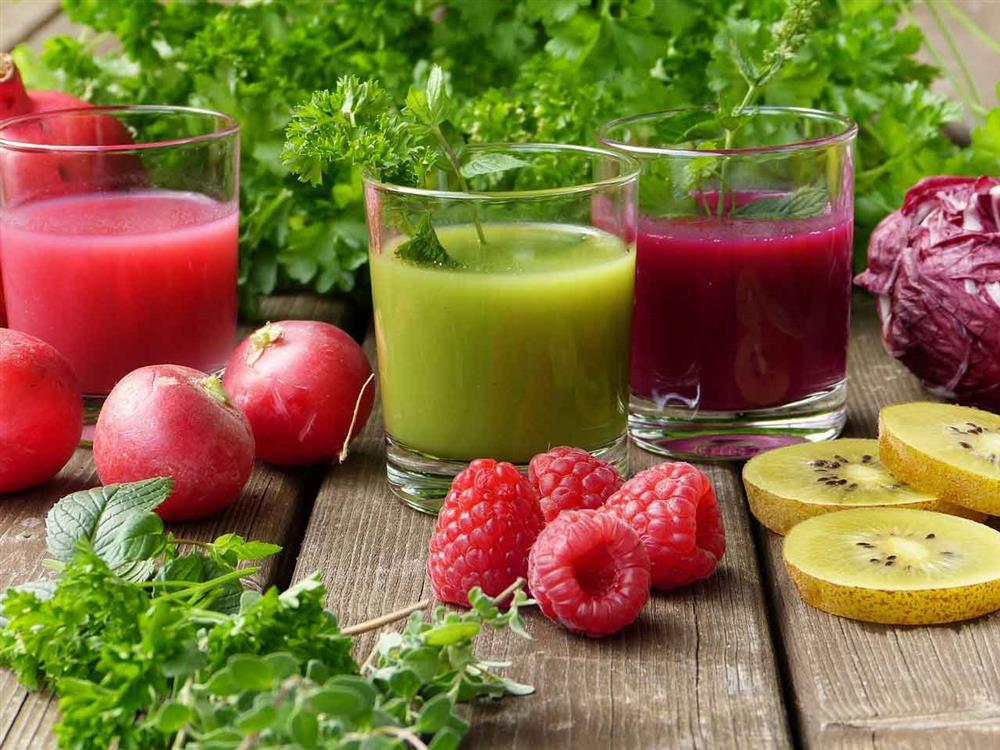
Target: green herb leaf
point(240, 549)
point(802, 203)
point(487, 162)
point(424, 248)
point(430, 105)
point(98, 516)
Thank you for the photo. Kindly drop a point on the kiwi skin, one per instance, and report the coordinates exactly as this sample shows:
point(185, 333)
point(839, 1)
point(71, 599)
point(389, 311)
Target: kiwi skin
point(780, 513)
point(918, 607)
point(951, 483)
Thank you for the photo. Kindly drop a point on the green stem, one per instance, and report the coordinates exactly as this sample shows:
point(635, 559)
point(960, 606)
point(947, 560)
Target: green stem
point(191, 542)
point(950, 41)
point(452, 158)
point(939, 61)
point(968, 23)
point(752, 91)
point(195, 591)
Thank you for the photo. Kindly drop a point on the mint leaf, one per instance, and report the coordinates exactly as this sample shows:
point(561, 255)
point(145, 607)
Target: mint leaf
point(490, 163)
point(141, 537)
point(431, 104)
point(800, 204)
point(424, 247)
point(99, 515)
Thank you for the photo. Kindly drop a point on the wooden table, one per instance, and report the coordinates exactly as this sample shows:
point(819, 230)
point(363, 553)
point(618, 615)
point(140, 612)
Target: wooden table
point(735, 661)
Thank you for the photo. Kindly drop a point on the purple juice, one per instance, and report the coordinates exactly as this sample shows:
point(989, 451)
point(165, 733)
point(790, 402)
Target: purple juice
point(737, 314)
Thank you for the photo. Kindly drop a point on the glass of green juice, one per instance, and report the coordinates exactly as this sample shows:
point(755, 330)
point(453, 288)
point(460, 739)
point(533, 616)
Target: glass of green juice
point(503, 306)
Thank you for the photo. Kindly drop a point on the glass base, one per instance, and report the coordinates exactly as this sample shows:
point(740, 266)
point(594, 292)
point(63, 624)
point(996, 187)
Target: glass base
point(736, 436)
point(422, 481)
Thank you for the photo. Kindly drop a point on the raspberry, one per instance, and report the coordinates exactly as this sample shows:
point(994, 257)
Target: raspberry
point(673, 508)
point(484, 532)
point(589, 572)
point(570, 479)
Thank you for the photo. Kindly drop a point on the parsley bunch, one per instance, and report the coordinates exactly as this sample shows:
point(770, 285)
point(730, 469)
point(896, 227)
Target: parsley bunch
point(150, 641)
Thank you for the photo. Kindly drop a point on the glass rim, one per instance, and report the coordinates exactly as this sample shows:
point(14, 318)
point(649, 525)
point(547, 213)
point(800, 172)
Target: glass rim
point(848, 130)
point(630, 173)
point(227, 126)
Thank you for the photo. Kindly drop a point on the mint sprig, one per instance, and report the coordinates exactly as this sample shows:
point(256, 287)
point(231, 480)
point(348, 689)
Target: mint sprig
point(788, 36)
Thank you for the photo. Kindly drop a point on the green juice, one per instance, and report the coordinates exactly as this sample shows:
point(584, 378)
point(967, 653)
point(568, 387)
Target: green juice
point(524, 348)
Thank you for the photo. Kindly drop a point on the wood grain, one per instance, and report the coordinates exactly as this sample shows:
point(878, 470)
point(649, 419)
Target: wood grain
point(697, 670)
point(19, 21)
point(274, 506)
point(872, 686)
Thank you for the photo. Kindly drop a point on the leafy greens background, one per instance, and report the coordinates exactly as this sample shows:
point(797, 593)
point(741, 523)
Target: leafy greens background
point(543, 70)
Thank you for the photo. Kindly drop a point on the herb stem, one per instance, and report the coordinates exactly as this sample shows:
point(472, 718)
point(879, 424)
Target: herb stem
point(970, 85)
point(195, 591)
point(509, 591)
point(386, 619)
point(968, 23)
point(452, 158)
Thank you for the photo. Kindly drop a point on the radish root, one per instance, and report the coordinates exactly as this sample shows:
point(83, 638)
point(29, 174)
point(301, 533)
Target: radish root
point(354, 418)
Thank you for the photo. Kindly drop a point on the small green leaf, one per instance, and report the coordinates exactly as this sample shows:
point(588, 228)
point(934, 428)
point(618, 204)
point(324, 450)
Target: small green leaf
point(251, 672)
point(256, 719)
point(340, 701)
point(281, 664)
point(244, 550)
point(486, 162)
point(305, 728)
point(404, 682)
point(424, 248)
point(446, 739)
point(451, 633)
point(435, 714)
point(171, 716)
point(431, 104)
point(98, 515)
point(223, 683)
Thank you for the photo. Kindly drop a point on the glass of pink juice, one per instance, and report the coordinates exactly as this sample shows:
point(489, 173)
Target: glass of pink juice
point(743, 276)
point(118, 236)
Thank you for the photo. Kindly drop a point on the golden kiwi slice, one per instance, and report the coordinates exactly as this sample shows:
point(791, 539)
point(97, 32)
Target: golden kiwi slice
point(950, 451)
point(796, 482)
point(895, 565)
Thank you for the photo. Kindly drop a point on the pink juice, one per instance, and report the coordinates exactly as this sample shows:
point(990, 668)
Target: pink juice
point(116, 281)
point(736, 314)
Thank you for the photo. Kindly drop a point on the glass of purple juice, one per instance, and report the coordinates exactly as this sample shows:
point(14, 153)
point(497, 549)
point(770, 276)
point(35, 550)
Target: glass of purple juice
point(743, 279)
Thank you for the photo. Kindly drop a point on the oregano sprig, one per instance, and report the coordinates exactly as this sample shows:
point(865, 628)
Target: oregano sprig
point(789, 34)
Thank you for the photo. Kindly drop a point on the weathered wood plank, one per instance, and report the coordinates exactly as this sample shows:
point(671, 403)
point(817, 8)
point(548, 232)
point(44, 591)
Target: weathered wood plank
point(861, 685)
point(697, 670)
point(274, 506)
point(21, 20)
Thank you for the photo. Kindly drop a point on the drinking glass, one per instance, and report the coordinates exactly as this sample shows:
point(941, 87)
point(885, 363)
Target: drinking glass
point(502, 312)
point(742, 299)
point(118, 236)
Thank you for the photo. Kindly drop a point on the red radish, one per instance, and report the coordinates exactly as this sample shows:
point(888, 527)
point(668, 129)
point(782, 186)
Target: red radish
point(41, 411)
point(306, 387)
point(30, 176)
point(173, 421)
